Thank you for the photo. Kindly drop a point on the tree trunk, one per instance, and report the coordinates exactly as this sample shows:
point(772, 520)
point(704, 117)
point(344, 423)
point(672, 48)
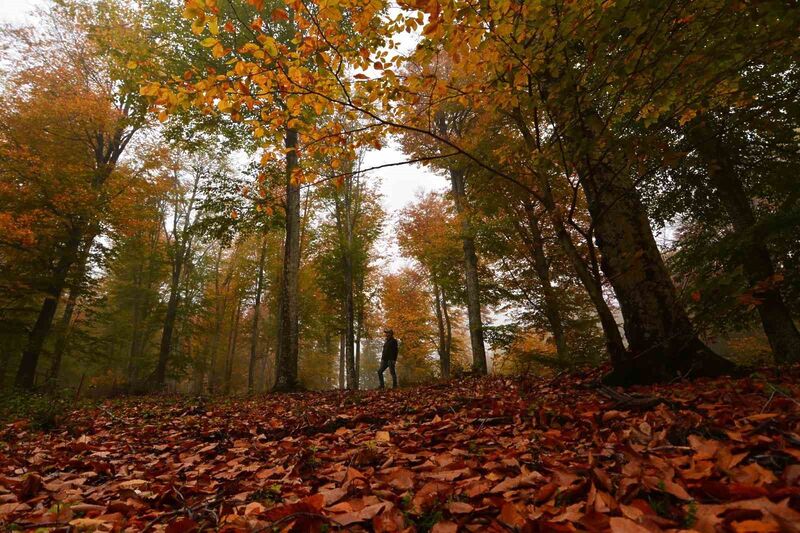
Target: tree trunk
point(256, 313)
point(552, 308)
point(781, 331)
point(342, 343)
point(350, 337)
point(448, 334)
point(234, 336)
point(219, 312)
point(63, 337)
point(615, 347)
point(458, 184)
point(441, 346)
point(65, 331)
point(663, 344)
point(359, 333)
point(160, 374)
point(26, 373)
point(287, 363)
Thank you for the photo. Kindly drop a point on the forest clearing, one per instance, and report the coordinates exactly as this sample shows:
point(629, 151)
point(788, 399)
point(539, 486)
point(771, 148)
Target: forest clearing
point(564, 233)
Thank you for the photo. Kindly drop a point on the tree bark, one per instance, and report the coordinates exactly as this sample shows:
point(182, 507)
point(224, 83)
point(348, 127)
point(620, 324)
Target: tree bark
point(458, 184)
point(160, 374)
point(26, 373)
point(615, 347)
point(251, 370)
point(441, 347)
point(552, 308)
point(232, 341)
point(663, 344)
point(65, 331)
point(342, 344)
point(776, 320)
point(287, 363)
point(448, 333)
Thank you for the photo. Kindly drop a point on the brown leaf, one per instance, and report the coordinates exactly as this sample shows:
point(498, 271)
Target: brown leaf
point(626, 525)
point(459, 507)
point(444, 527)
point(512, 515)
point(525, 480)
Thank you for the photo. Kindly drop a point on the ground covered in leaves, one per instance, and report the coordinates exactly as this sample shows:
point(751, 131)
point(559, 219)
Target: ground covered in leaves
point(492, 454)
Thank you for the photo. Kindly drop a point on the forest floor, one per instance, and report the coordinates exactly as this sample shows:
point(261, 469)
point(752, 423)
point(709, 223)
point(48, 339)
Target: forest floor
point(491, 454)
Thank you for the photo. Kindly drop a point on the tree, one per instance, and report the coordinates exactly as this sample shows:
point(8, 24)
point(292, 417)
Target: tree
point(427, 232)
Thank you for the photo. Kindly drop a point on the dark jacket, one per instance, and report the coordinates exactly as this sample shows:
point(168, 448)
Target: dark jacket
point(390, 349)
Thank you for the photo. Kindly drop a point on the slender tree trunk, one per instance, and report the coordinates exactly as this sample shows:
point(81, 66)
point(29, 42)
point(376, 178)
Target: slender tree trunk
point(615, 347)
point(458, 184)
point(165, 349)
point(256, 313)
point(359, 332)
point(136, 334)
point(552, 308)
point(26, 373)
point(219, 312)
point(350, 337)
point(287, 363)
point(232, 347)
point(441, 347)
point(342, 343)
point(63, 337)
point(65, 331)
point(781, 331)
point(448, 334)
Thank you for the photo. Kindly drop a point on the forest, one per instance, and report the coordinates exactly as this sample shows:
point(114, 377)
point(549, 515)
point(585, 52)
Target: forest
point(593, 294)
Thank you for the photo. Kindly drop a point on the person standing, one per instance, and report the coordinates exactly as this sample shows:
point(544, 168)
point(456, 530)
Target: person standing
point(388, 358)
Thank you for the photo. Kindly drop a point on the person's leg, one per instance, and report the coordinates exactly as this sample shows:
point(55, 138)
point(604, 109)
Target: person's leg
point(394, 374)
point(383, 367)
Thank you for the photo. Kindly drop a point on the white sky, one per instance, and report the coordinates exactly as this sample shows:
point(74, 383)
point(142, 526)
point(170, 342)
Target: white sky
point(399, 185)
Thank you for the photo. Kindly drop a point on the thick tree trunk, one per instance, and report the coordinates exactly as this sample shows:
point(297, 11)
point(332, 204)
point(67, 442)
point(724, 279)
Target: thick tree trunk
point(479, 365)
point(552, 308)
point(663, 344)
point(251, 370)
point(26, 373)
point(287, 363)
point(781, 331)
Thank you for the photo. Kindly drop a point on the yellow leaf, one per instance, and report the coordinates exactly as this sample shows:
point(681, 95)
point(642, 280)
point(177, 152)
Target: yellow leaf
point(208, 42)
point(213, 26)
point(271, 47)
point(382, 436)
point(132, 64)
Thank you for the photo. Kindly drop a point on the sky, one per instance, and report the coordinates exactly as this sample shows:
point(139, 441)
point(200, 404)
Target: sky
point(399, 184)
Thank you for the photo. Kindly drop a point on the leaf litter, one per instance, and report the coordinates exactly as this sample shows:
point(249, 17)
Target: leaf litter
point(476, 454)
